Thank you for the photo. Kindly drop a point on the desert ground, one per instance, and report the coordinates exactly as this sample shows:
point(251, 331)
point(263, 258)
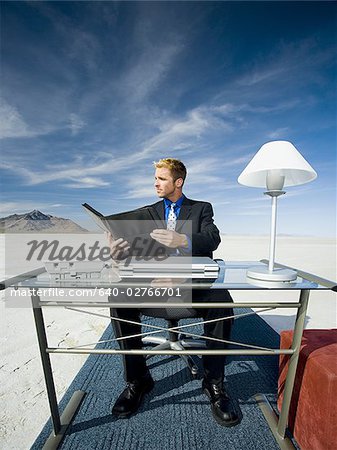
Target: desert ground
point(25, 409)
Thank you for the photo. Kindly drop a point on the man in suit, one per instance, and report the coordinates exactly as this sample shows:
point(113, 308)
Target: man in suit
point(175, 209)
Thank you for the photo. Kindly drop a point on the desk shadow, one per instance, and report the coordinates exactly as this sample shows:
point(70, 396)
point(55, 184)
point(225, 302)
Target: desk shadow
point(283, 322)
point(162, 387)
point(245, 376)
point(241, 385)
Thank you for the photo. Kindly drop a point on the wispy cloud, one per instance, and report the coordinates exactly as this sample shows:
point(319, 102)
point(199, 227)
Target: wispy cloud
point(175, 134)
point(279, 133)
point(7, 208)
point(141, 192)
point(76, 123)
point(181, 133)
point(113, 86)
point(80, 45)
point(148, 72)
point(258, 75)
point(13, 125)
point(80, 174)
point(202, 173)
point(298, 65)
point(87, 183)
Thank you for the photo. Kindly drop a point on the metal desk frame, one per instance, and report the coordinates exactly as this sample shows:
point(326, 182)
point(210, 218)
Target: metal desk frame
point(277, 424)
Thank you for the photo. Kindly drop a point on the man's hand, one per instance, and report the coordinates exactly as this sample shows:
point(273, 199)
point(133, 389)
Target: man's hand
point(170, 238)
point(118, 247)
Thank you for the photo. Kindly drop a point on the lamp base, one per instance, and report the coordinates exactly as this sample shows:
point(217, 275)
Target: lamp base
point(278, 274)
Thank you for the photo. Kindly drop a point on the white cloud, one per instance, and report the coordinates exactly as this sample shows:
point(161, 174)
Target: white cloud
point(177, 135)
point(12, 123)
point(291, 63)
point(87, 182)
point(141, 192)
point(140, 184)
point(80, 174)
point(76, 41)
point(250, 213)
point(279, 133)
point(7, 208)
point(259, 75)
point(146, 73)
point(174, 132)
point(76, 123)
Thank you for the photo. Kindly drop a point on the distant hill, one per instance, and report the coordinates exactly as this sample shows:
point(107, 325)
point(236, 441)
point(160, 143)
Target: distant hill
point(37, 222)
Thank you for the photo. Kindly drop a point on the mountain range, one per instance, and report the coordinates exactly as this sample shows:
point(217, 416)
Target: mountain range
point(35, 221)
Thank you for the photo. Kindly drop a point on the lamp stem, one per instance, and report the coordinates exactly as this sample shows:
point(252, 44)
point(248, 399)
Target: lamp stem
point(272, 233)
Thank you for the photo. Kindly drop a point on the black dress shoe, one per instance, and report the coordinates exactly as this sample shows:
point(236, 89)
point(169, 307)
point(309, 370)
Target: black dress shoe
point(130, 399)
point(221, 404)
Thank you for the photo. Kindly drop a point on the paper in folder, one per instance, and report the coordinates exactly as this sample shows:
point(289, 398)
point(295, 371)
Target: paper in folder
point(170, 267)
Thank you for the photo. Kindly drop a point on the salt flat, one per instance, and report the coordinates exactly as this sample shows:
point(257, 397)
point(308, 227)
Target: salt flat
point(309, 254)
point(24, 402)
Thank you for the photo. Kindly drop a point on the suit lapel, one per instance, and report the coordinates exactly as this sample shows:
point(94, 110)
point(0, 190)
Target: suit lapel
point(184, 214)
point(157, 210)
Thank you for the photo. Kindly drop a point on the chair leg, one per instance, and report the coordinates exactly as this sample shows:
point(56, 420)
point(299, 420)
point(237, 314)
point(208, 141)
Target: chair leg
point(193, 343)
point(190, 360)
point(154, 340)
point(175, 343)
point(162, 343)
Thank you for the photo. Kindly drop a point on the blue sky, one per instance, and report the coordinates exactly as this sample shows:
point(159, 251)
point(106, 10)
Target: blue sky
point(93, 92)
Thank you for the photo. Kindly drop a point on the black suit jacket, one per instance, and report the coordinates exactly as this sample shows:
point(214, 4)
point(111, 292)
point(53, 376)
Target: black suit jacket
point(195, 220)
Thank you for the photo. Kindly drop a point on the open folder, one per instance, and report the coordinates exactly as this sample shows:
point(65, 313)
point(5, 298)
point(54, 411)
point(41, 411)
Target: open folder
point(128, 223)
point(133, 226)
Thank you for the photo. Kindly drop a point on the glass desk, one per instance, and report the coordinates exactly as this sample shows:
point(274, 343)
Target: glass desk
point(171, 290)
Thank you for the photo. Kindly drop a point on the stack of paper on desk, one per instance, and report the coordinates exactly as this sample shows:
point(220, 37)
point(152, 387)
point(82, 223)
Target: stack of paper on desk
point(76, 270)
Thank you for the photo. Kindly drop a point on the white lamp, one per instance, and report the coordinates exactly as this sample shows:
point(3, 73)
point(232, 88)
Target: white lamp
point(277, 164)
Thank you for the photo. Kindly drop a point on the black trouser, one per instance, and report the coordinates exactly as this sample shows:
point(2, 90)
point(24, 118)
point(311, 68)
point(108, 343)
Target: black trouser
point(214, 365)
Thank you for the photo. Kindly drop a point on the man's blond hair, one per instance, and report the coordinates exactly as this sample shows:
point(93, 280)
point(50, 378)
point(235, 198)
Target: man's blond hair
point(177, 168)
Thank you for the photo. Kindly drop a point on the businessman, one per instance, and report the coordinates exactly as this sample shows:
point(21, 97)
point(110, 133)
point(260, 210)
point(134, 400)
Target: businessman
point(175, 209)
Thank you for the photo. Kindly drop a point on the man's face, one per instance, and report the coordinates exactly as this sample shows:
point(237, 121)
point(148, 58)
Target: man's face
point(164, 184)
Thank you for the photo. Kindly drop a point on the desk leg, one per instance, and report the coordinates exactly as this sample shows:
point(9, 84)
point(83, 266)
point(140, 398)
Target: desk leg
point(278, 425)
point(60, 424)
point(296, 346)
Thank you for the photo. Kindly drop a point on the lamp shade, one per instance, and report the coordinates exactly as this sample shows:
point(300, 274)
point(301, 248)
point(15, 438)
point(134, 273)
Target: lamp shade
point(279, 157)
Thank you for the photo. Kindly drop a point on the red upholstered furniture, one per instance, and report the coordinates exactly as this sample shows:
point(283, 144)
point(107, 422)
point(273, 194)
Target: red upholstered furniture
point(313, 409)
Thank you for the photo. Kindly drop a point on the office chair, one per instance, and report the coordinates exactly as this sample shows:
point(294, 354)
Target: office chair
point(175, 341)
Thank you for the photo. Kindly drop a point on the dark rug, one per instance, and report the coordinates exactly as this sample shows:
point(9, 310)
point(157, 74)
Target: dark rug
point(175, 414)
